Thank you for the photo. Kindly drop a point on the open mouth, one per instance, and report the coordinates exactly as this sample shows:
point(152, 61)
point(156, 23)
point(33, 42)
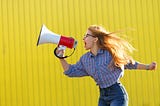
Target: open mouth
point(85, 43)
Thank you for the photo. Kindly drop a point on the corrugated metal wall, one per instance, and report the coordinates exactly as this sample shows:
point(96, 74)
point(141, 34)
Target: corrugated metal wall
point(33, 76)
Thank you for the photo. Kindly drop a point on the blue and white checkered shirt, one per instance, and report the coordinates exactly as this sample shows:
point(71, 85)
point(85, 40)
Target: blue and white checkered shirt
point(96, 67)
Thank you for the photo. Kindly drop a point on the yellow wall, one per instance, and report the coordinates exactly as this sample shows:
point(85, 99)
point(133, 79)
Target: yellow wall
point(33, 76)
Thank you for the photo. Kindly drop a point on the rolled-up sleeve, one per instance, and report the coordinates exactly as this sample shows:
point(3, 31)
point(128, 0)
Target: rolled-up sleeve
point(131, 66)
point(76, 70)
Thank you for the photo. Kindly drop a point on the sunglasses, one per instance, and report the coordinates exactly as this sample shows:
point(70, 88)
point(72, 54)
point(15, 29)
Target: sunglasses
point(87, 35)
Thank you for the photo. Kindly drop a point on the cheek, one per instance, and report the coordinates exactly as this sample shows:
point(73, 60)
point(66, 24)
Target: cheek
point(89, 43)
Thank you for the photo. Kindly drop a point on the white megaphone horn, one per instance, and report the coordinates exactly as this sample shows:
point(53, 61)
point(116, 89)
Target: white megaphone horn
point(47, 36)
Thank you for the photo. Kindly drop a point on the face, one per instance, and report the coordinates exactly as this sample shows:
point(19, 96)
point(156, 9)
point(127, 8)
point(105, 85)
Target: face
point(89, 40)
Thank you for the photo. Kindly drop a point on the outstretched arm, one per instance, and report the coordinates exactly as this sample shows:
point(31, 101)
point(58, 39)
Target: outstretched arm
point(74, 70)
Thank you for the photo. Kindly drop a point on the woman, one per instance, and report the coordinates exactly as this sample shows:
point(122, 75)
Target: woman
point(105, 62)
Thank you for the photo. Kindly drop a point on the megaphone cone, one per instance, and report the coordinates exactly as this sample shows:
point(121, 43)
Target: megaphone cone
point(47, 36)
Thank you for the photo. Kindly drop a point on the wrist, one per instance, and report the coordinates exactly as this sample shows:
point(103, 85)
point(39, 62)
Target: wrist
point(61, 59)
point(147, 67)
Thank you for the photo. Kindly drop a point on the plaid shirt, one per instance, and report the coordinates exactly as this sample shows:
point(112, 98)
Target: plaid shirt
point(96, 67)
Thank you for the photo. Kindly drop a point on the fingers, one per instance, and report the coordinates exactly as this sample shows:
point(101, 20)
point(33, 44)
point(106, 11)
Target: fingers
point(153, 66)
point(60, 51)
point(61, 47)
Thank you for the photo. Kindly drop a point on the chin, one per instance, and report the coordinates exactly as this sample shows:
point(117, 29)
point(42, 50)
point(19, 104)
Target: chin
point(86, 48)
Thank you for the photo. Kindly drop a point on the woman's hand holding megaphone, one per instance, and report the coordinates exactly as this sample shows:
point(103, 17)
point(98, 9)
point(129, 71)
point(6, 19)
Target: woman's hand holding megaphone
point(60, 51)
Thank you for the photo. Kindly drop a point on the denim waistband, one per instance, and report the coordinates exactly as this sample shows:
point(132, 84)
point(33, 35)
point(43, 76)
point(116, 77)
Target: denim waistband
point(110, 86)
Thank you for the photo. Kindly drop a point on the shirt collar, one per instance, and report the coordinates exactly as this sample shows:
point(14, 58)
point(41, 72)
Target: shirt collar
point(100, 51)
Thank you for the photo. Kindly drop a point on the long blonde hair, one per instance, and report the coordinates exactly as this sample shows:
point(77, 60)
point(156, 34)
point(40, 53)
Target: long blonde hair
point(119, 48)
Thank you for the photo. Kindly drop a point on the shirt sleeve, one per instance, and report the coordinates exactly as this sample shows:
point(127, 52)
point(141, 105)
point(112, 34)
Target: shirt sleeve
point(131, 66)
point(76, 70)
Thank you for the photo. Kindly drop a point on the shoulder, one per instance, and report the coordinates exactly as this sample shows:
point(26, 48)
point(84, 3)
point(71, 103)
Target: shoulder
point(107, 54)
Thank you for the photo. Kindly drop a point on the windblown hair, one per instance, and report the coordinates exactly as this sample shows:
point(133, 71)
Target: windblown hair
point(119, 48)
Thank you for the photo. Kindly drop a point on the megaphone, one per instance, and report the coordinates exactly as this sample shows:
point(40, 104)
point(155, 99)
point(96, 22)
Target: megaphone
point(47, 36)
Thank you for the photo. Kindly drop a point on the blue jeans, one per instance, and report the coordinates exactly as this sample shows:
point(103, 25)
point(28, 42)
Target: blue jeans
point(114, 95)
